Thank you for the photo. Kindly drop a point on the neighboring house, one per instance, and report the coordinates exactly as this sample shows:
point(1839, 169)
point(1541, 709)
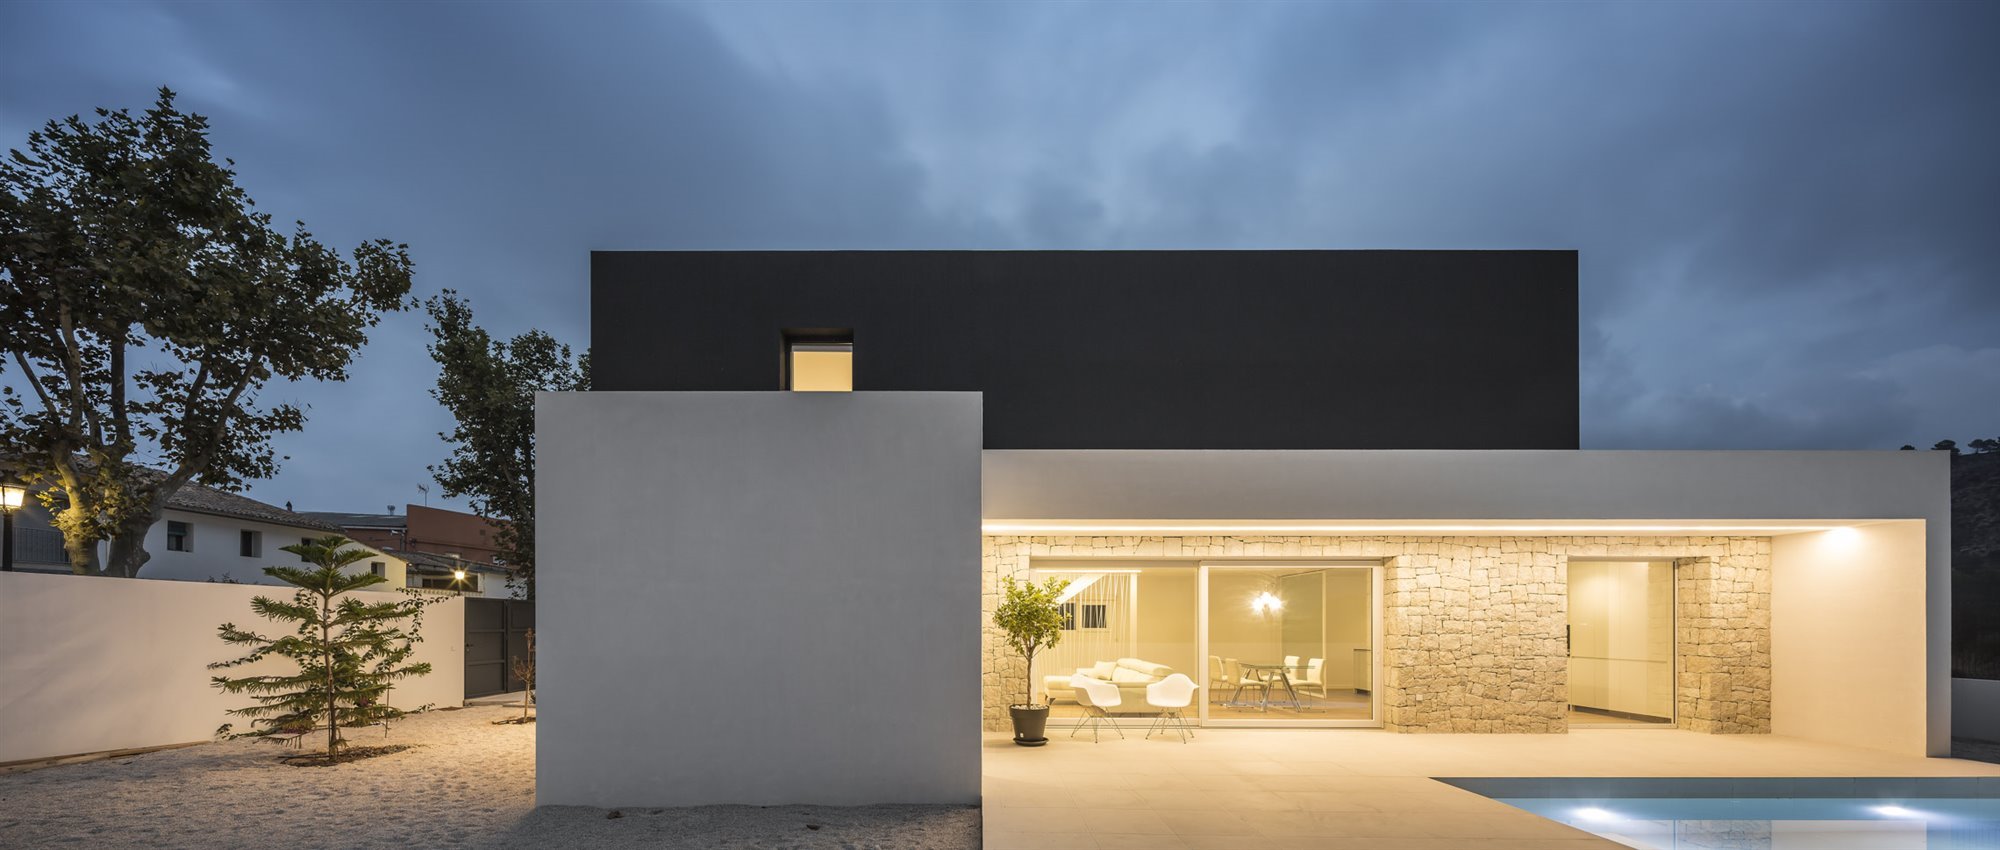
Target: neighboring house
point(443, 549)
point(205, 534)
point(421, 528)
point(1334, 488)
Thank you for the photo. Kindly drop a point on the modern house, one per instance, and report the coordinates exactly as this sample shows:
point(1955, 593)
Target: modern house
point(1335, 488)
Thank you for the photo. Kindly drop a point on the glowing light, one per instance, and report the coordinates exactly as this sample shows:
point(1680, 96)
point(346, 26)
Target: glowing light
point(1267, 603)
point(457, 575)
point(1331, 527)
point(1594, 813)
point(1893, 812)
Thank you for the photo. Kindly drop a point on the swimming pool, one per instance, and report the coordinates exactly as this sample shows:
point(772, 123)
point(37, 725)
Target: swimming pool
point(1927, 813)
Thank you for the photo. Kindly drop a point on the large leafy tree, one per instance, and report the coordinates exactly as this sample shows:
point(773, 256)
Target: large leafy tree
point(346, 652)
point(489, 385)
point(144, 305)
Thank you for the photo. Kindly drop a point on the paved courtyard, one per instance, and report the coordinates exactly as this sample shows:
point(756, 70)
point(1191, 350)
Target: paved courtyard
point(1279, 789)
point(470, 784)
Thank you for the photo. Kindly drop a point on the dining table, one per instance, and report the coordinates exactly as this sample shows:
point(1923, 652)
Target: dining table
point(1283, 675)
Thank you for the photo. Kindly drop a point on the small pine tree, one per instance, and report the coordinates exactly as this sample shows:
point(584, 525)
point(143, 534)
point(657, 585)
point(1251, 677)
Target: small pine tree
point(348, 652)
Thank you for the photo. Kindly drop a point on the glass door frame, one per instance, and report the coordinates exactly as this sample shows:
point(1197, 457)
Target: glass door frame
point(1374, 568)
point(1674, 671)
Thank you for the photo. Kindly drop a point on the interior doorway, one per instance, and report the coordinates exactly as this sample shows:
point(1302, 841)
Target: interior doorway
point(1621, 643)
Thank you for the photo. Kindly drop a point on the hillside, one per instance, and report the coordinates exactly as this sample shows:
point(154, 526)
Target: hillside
point(1975, 565)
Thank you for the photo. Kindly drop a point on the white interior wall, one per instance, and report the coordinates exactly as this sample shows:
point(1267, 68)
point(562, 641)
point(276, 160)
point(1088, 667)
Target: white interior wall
point(96, 664)
point(766, 598)
point(1167, 619)
point(1621, 638)
point(1234, 630)
point(1848, 638)
point(1350, 625)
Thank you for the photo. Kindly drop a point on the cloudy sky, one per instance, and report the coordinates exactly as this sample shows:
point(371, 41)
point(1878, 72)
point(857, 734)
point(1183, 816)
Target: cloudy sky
point(1788, 213)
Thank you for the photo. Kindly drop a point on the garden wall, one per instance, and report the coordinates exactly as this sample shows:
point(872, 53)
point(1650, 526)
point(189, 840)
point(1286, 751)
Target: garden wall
point(97, 664)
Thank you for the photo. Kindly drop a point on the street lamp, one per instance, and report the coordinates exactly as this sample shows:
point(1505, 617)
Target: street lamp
point(13, 494)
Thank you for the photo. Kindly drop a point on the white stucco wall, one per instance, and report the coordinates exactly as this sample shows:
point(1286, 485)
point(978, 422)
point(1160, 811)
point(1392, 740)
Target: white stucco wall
point(1390, 486)
point(766, 598)
point(1848, 638)
point(95, 664)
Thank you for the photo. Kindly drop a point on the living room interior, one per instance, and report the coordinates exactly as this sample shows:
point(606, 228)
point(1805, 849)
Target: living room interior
point(1286, 643)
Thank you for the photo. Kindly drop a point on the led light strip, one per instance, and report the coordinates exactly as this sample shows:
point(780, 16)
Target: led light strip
point(1073, 528)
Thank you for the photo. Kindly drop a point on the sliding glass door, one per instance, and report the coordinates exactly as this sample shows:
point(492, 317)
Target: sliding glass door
point(1270, 644)
point(1289, 644)
point(1125, 624)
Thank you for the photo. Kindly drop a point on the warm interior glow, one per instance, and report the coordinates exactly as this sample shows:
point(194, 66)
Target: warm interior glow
point(1449, 527)
point(1267, 603)
point(823, 368)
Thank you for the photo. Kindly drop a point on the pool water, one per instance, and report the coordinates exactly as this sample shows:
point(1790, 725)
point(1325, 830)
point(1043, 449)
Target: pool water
point(1846, 823)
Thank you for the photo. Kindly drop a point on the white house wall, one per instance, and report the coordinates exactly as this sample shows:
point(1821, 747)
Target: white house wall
point(765, 598)
point(216, 553)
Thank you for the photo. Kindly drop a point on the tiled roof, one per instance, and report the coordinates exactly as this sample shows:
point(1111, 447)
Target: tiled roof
point(435, 563)
point(347, 520)
point(208, 500)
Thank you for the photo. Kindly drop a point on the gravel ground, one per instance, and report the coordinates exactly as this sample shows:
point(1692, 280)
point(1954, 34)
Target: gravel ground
point(467, 783)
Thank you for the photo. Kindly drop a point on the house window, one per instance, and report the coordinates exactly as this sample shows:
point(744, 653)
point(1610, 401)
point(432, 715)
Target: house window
point(178, 539)
point(1095, 616)
point(250, 543)
point(378, 568)
point(304, 541)
point(819, 363)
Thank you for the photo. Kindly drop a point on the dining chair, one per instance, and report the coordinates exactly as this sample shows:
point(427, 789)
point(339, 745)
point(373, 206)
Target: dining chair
point(1218, 678)
point(1232, 672)
point(1315, 677)
point(1096, 696)
point(1171, 696)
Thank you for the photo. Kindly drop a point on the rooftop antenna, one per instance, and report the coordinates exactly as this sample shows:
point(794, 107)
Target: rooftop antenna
point(426, 490)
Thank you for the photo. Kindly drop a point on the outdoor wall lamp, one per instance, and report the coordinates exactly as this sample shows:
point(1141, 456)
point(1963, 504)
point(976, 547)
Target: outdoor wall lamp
point(13, 494)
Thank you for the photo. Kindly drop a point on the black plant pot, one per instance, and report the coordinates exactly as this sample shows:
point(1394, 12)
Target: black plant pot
point(1029, 721)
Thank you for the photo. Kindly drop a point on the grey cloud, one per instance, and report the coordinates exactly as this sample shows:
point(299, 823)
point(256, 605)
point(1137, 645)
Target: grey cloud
point(1784, 210)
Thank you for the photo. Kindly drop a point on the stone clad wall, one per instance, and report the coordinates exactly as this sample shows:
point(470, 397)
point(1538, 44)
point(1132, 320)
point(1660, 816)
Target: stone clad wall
point(1473, 627)
point(1723, 638)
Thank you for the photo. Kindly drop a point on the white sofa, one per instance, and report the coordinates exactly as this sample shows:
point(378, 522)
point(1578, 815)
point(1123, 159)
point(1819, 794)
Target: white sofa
point(1131, 675)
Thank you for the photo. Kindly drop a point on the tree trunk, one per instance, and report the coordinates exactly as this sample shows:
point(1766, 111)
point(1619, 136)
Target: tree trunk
point(81, 550)
point(128, 548)
point(332, 717)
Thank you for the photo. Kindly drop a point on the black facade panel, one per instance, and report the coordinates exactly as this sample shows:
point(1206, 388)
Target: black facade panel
point(1131, 349)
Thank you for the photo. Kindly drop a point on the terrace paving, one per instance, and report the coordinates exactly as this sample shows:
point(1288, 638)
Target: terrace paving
point(1274, 789)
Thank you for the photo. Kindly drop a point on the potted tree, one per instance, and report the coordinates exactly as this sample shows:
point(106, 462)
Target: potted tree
point(1032, 620)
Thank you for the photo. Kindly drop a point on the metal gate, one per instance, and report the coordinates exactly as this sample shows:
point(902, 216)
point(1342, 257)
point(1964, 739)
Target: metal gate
point(496, 633)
